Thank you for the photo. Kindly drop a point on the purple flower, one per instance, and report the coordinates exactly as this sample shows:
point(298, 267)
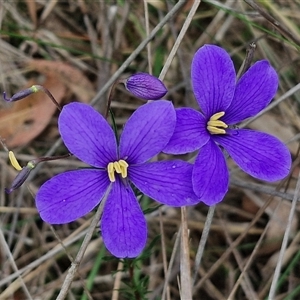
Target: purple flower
point(145, 86)
point(70, 195)
point(225, 102)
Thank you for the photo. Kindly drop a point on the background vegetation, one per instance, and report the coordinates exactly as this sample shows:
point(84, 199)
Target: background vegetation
point(77, 49)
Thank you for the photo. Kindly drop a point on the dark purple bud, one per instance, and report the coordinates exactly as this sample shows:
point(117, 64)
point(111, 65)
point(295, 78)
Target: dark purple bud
point(145, 86)
point(21, 177)
point(22, 94)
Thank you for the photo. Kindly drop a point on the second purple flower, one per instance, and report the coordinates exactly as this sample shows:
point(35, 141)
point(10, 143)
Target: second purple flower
point(225, 102)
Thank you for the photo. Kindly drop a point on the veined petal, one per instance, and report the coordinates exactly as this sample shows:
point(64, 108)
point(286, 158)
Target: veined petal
point(213, 79)
point(123, 225)
point(168, 182)
point(147, 131)
point(259, 154)
point(190, 133)
point(87, 134)
point(70, 195)
point(254, 91)
point(210, 174)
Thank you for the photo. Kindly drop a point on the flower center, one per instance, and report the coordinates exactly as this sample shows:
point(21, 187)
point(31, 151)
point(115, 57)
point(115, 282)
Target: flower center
point(215, 126)
point(118, 166)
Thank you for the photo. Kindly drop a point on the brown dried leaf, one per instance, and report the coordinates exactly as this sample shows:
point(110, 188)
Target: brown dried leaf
point(268, 123)
point(24, 120)
point(73, 78)
point(278, 212)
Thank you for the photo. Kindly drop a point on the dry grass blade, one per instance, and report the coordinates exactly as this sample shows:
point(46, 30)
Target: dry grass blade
point(203, 241)
point(185, 269)
point(285, 241)
point(274, 22)
point(11, 259)
point(75, 264)
point(179, 39)
point(136, 52)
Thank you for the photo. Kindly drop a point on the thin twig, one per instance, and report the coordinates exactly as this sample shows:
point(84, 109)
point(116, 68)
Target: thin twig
point(78, 234)
point(137, 51)
point(203, 240)
point(117, 283)
point(75, 265)
point(235, 243)
point(172, 259)
point(248, 60)
point(149, 57)
point(273, 21)
point(245, 280)
point(251, 258)
point(13, 264)
point(163, 249)
point(179, 39)
point(185, 268)
point(285, 241)
point(261, 188)
point(289, 93)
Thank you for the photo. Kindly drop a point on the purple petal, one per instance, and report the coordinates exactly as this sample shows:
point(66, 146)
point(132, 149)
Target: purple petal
point(147, 131)
point(210, 174)
point(168, 182)
point(190, 132)
point(145, 86)
point(254, 92)
point(123, 225)
point(259, 154)
point(87, 134)
point(213, 79)
point(70, 195)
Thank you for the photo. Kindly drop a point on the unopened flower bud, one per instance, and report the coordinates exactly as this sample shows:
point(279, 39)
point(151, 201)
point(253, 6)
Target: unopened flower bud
point(22, 94)
point(21, 177)
point(145, 86)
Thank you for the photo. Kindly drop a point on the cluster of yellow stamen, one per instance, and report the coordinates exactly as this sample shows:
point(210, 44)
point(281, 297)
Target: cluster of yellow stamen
point(118, 166)
point(215, 126)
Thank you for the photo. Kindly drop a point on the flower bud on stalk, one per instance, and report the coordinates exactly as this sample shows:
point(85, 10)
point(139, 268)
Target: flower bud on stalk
point(21, 177)
point(145, 86)
point(22, 94)
point(27, 92)
point(25, 171)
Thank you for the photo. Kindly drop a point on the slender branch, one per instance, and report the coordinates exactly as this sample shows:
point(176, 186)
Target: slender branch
point(185, 268)
point(75, 264)
point(262, 188)
point(285, 241)
point(137, 51)
point(273, 21)
point(179, 39)
point(203, 240)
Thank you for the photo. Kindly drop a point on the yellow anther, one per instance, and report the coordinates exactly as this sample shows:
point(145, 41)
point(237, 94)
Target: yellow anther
point(124, 166)
point(215, 130)
point(123, 163)
point(216, 126)
point(217, 116)
point(217, 123)
point(14, 161)
point(119, 167)
point(111, 172)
